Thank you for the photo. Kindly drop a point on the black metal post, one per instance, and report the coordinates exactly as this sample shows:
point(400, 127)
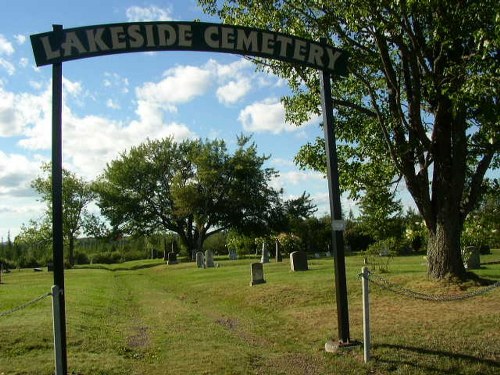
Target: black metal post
point(57, 214)
point(335, 209)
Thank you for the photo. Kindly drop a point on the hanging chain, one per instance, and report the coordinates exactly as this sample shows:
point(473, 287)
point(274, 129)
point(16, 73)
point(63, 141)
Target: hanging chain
point(398, 289)
point(24, 305)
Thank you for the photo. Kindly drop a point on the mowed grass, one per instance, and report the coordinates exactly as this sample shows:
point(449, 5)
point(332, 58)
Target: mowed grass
point(150, 318)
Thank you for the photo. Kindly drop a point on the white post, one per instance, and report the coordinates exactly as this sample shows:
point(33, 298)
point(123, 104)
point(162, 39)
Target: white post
point(366, 315)
point(57, 331)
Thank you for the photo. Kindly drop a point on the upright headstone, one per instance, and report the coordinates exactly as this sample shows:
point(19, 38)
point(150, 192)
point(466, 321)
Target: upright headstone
point(200, 259)
point(172, 258)
point(209, 259)
point(50, 267)
point(265, 256)
point(472, 260)
point(279, 258)
point(257, 274)
point(233, 255)
point(298, 261)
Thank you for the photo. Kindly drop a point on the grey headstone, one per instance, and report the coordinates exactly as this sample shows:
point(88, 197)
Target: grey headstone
point(257, 274)
point(172, 258)
point(233, 255)
point(316, 255)
point(265, 255)
point(473, 261)
point(200, 259)
point(209, 259)
point(298, 261)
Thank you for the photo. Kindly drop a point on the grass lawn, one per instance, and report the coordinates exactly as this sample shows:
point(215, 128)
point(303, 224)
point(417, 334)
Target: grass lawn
point(150, 318)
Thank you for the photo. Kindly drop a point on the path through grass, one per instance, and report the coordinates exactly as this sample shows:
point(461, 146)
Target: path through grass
point(150, 318)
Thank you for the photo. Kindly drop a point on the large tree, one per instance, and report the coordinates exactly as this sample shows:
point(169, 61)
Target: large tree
point(420, 102)
point(192, 188)
point(77, 194)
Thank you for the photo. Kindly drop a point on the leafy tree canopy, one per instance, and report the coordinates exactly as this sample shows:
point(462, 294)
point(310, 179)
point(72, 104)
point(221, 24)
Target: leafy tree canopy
point(420, 103)
point(193, 188)
point(77, 194)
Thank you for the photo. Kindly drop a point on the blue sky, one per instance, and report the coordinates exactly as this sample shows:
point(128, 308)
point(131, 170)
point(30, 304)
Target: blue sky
point(111, 103)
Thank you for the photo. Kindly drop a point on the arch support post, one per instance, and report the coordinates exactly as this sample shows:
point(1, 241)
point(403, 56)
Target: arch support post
point(59, 313)
point(335, 210)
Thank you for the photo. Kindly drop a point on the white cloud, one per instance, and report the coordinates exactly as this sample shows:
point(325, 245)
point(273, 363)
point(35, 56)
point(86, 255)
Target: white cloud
point(231, 70)
point(9, 67)
point(71, 87)
point(297, 178)
point(265, 116)
point(151, 13)
point(233, 91)
point(91, 141)
point(110, 103)
point(5, 46)
point(16, 174)
point(114, 80)
point(179, 85)
point(20, 39)
point(23, 61)
point(19, 112)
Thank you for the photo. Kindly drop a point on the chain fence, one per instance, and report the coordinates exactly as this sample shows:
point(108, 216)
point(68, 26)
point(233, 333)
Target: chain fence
point(398, 289)
point(25, 305)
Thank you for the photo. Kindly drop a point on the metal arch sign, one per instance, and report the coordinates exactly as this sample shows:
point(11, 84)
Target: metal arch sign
point(62, 45)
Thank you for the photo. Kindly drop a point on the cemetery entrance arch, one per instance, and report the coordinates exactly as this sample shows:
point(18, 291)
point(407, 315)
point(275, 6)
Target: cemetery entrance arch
point(61, 45)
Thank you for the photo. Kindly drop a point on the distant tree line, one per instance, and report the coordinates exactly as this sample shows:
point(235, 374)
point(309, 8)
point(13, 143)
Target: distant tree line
point(164, 196)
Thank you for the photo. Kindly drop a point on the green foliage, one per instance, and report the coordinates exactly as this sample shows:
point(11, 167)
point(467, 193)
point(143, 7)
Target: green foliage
point(289, 242)
point(356, 236)
point(194, 188)
point(217, 243)
point(241, 243)
point(381, 253)
point(77, 194)
point(420, 102)
point(482, 227)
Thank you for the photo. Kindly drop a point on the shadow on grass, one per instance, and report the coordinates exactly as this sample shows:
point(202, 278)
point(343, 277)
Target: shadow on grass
point(442, 354)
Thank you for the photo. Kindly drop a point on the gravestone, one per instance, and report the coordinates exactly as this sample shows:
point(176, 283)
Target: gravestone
point(316, 255)
point(50, 267)
point(265, 255)
point(472, 258)
point(172, 258)
point(298, 261)
point(279, 258)
point(257, 274)
point(200, 259)
point(328, 254)
point(233, 255)
point(209, 259)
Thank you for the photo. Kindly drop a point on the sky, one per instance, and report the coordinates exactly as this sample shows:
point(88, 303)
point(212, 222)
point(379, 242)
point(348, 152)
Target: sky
point(111, 103)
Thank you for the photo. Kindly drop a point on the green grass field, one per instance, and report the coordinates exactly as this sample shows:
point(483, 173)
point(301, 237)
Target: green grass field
point(150, 318)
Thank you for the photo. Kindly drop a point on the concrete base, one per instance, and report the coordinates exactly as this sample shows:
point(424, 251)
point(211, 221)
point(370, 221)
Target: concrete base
point(336, 346)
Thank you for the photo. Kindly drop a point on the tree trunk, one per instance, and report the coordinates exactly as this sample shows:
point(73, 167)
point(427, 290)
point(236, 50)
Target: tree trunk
point(71, 257)
point(443, 251)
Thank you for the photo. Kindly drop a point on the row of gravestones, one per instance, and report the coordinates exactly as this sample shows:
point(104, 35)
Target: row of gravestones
point(205, 260)
point(298, 262)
